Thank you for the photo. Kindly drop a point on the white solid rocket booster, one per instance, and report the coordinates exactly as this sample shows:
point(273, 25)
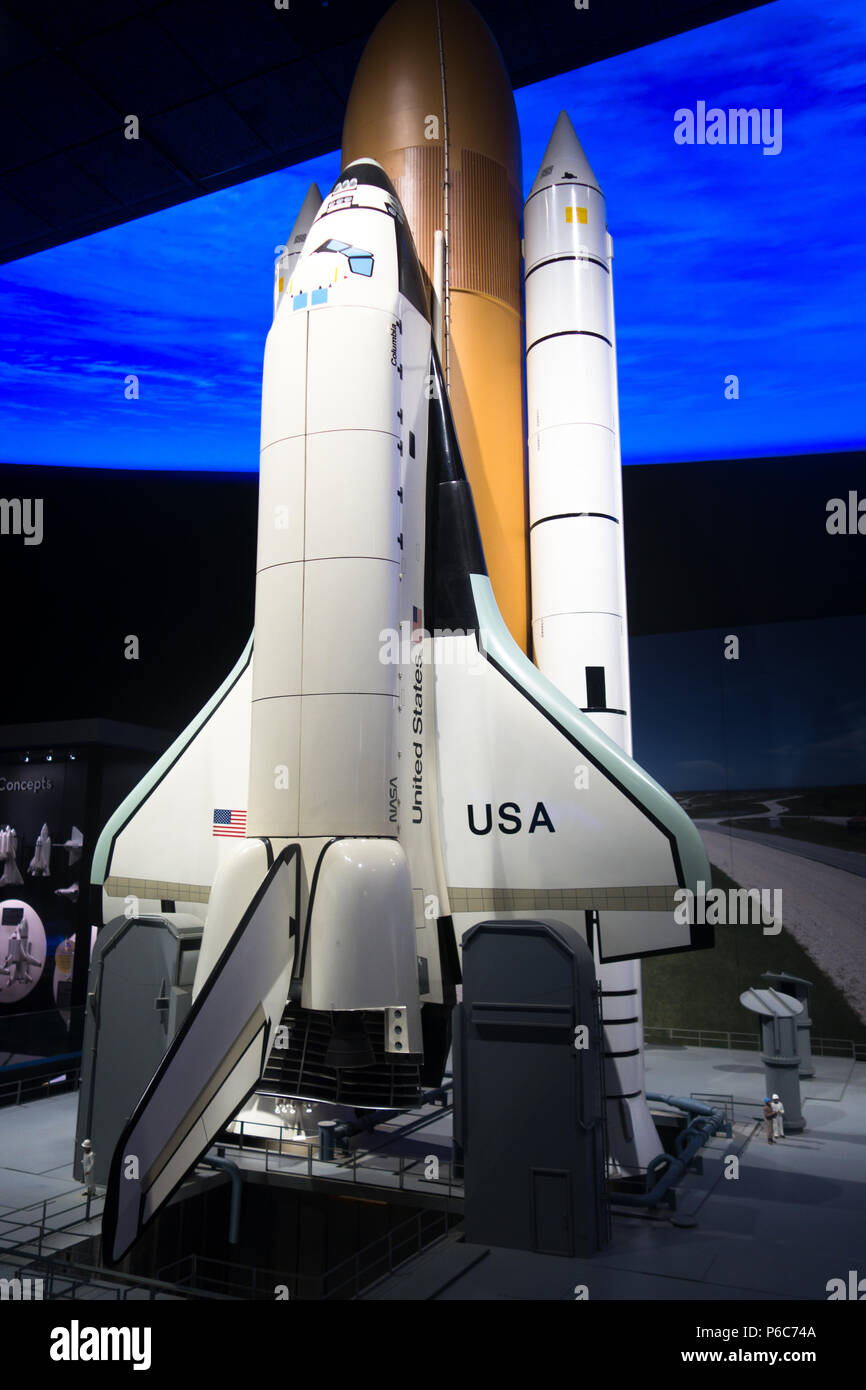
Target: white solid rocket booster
point(290, 253)
point(579, 626)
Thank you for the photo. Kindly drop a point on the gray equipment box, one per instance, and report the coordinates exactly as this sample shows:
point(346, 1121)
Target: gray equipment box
point(139, 993)
point(528, 1087)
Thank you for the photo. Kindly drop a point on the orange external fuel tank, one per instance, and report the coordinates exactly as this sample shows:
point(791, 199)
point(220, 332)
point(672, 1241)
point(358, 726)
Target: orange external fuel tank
point(432, 102)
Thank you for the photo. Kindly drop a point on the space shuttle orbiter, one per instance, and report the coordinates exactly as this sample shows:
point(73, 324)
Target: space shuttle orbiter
point(408, 770)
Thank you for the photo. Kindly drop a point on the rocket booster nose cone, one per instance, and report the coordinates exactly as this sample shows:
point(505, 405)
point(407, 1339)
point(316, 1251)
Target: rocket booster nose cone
point(288, 258)
point(564, 160)
point(305, 218)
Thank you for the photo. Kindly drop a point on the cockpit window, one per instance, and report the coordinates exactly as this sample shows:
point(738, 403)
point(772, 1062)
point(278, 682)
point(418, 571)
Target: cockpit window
point(360, 261)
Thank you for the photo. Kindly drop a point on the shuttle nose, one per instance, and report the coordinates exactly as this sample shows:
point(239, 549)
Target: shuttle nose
point(367, 171)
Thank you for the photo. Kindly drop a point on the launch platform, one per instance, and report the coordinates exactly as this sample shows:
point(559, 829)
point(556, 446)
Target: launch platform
point(787, 1224)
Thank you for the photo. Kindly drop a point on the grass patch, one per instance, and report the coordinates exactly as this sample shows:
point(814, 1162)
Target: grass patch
point(802, 801)
point(701, 989)
point(814, 832)
point(828, 801)
point(706, 806)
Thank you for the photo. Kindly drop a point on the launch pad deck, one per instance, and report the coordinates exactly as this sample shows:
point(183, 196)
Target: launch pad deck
point(801, 1195)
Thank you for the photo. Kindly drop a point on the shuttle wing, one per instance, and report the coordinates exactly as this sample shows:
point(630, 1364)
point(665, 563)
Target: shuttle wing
point(161, 842)
point(539, 810)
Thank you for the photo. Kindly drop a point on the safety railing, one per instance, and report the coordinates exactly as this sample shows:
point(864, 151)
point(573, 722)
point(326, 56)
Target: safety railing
point(197, 1274)
point(205, 1274)
point(61, 1278)
point(381, 1257)
point(45, 1222)
point(281, 1151)
point(726, 1103)
point(839, 1047)
point(749, 1042)
point(48, 1076)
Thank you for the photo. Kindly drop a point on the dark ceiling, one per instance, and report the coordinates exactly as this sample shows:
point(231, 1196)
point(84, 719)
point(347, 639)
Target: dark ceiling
point(225, 90)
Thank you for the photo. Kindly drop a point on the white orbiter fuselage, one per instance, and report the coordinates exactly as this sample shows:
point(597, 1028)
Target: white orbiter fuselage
point(406, 770)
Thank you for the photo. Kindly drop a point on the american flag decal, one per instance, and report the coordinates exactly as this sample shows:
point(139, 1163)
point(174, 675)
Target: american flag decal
point(417, 621)
point(230, 823)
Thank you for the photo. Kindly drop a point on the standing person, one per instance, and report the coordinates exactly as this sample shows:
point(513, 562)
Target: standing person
point(778, 1112)
point(88, 1159)
point(769, 1119)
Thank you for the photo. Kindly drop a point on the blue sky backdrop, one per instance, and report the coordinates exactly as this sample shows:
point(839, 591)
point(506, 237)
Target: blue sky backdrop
point(728, 261)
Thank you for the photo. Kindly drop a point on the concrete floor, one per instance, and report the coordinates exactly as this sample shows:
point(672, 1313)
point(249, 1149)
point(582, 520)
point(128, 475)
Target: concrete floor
point(793, 1219)
point(36, 1146)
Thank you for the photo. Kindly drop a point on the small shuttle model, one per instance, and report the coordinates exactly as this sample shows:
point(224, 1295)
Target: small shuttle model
point(9, 857)
point(385, 767)
point(73, 846)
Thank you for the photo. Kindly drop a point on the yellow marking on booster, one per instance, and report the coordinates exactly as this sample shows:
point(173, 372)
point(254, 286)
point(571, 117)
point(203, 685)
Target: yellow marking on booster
point(280, 285)
point(581, 214)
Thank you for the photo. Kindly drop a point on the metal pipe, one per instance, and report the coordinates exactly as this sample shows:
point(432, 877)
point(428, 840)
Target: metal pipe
point(694, 1107)
point(346, 1128)
point(227, 1166)
point(705, 1122)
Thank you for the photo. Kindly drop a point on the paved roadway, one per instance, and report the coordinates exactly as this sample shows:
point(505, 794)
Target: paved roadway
point(823, 904)
point(852, 861)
